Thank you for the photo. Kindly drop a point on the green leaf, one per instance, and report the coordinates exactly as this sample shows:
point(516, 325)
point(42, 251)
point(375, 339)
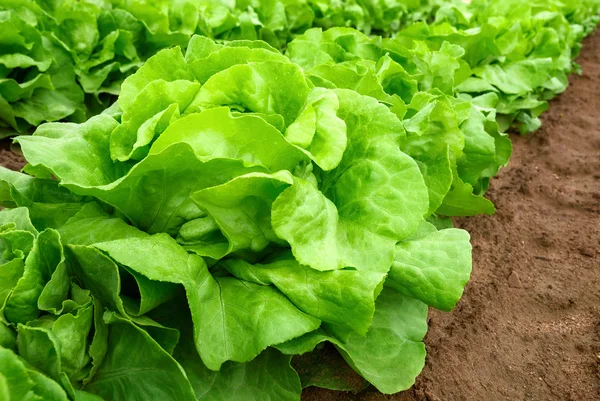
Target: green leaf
point(233, 319)
point(71, 333)
point(8, 337)
point(92, 224)
point(318, 131)
point(392, 354)
point(111, 284)
point(55, 291)
point(517, 78)
point(155, 107)
point(40, 349)
point(216, 133)
point(84, 396)
point(19, 217)
point(207, 59)
point(437, 174)
point(135, 360)
point(176, 172)
point(46, 255)
point(461, 201)
point(15, 383)
point(345, 299)
point(433, 269)
point(242, 208)
point(99, 274)
point(10, 274)
point(48, 205)
point(47, 388)
point(267, 377)
point(99, 344)
point(76, 154)
point(168, 65)
point(480, 149)
point(256, 87)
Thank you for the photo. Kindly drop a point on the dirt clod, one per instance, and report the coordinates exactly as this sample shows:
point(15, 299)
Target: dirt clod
point(589, 252)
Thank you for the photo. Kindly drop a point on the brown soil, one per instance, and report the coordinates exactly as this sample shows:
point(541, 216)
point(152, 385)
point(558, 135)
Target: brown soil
point(8, 158)
point(527, 327)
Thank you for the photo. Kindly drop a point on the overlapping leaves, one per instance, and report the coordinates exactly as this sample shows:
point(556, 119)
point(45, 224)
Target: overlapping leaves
point(55, 52)
point(521, 52)
point(66, 60)
point(456, 142)
point(238, 208)
point(228, 206)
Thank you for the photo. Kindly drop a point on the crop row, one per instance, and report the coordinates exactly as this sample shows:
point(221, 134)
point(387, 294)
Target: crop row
point(246, 205)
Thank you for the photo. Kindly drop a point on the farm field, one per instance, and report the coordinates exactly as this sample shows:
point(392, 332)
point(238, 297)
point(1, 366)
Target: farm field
point(533, 334)
point(299, 200)
point(528, 325)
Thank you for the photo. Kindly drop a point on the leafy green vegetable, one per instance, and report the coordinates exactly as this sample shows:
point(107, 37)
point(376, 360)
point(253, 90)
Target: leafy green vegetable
point(455, 142)
point(521, 51)
point(55, 52)
point(58, 52)
point(220, 203)
point(238, 207)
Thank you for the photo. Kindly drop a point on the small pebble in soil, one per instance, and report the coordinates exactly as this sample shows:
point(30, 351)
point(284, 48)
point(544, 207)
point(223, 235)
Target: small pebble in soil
point(514, 281)
point(430, 397)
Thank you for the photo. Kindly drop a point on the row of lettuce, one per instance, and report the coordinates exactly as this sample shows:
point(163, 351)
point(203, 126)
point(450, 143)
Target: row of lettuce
point(66, 59)
point(241, 212)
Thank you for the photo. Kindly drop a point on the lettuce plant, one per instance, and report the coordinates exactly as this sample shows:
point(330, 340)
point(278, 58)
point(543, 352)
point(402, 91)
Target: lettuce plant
point(456, 142)
point(66, 60)
point(227, 216)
